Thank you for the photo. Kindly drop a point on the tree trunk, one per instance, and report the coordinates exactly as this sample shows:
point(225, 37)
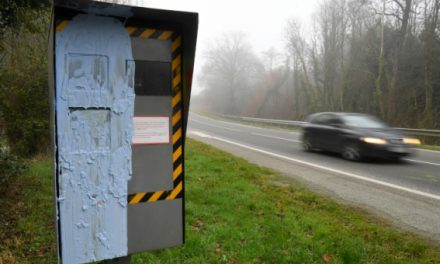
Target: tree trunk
point(430, 35)
point(392, 102)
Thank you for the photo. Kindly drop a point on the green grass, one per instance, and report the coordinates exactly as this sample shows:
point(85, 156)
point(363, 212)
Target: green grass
point(27, 231)
point(234, 214)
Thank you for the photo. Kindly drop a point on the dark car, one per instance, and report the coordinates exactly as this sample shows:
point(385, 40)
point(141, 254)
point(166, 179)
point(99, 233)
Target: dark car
point(355, 136)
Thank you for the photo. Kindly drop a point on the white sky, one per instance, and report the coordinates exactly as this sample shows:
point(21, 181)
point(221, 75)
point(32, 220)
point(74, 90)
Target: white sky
point(263, 21)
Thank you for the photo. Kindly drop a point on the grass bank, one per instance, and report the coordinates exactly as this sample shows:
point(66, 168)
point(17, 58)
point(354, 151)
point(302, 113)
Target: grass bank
point(430, 147)
point(235, 214)
point(27, 231)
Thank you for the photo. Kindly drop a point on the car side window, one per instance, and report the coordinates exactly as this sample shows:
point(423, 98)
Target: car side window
point(323, 119)
point(314, 119)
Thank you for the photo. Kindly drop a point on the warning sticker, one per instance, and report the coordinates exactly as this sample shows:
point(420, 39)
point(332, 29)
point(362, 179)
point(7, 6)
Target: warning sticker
point(151, 130)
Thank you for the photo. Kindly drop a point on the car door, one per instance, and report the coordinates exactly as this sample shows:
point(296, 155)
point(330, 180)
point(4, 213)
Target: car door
point(333, 133)
point(320, 130)
point(311, 130)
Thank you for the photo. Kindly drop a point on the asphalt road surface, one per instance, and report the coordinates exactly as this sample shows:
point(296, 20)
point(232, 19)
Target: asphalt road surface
point(406, 193)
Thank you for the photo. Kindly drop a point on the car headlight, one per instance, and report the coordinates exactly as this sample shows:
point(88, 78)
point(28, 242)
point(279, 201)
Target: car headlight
point(412, 141)
point(372, 140)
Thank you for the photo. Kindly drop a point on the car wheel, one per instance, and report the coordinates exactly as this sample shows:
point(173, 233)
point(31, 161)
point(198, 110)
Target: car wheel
point(351, 152)
point(307, 144)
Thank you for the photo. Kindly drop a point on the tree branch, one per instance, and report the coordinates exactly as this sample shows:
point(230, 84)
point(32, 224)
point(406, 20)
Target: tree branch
point(399, 4)
point(388, 14)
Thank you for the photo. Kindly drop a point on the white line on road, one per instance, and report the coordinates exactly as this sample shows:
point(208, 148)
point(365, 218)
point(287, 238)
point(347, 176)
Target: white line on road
point(424, 162)
point(222, 127)
point(286, 139)
point(348, 174)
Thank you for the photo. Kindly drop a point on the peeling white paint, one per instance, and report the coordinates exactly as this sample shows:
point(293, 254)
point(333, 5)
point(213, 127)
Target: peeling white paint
point(94, 104)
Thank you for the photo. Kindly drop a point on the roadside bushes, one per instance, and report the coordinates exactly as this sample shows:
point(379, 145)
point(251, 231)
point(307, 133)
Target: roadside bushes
point(24, 105)
point(24, 101)
point(10, 166)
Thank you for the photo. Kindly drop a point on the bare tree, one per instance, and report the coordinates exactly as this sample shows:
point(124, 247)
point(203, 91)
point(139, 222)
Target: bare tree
point(228, 73)
point(402, 15)
point(297, 47)
point(430, 38)
point(373, 56)
point(332, 24)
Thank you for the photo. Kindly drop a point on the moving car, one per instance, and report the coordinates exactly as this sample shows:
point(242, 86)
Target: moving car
point(355, 136)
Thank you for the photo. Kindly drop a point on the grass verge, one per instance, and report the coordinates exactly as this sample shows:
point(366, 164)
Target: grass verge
point(27, 231)
point(430, 147)
point(235, 214)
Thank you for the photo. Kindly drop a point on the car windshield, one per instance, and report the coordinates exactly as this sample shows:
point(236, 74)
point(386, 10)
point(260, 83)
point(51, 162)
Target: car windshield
point(363, 121)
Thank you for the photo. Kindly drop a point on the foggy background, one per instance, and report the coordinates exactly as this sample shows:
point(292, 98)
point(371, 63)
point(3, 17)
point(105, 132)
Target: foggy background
point(287, 59)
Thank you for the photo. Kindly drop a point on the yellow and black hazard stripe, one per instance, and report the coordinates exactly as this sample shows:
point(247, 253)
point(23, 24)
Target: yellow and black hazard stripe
point(151, 33)
point(176, 120)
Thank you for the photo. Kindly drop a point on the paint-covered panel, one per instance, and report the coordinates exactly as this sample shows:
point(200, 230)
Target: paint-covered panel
point(89, 131)
point(88, 81)
point(94, 105)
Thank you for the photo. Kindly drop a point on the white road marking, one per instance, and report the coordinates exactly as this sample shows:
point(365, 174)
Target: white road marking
point(222, 127)
point(200, 134)
point(286, 139)
point(424, 162)
point(348, 174)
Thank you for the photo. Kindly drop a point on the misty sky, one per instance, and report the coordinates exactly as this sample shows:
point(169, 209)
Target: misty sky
point(262, 21)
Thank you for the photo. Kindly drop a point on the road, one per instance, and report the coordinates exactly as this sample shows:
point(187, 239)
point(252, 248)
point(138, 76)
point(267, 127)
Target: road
point(406, 193)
